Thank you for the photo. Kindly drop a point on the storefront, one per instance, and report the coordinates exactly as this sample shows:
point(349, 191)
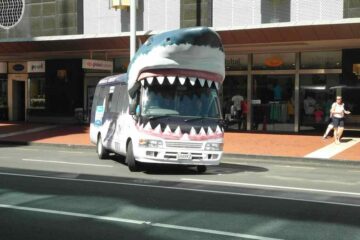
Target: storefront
point(286, 91)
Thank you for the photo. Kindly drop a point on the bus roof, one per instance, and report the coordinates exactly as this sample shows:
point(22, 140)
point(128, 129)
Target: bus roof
point(119, 78)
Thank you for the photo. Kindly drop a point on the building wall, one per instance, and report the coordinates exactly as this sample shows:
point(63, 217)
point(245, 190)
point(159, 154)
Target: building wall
point(232, 13)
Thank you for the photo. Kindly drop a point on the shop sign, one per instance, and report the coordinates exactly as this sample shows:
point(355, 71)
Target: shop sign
point(17, 67)
point(97, 64)
point(274, 61)
point(236, 62)
point(3, 67)
point(36, 66)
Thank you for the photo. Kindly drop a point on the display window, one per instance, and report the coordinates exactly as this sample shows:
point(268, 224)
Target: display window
point(37, 93)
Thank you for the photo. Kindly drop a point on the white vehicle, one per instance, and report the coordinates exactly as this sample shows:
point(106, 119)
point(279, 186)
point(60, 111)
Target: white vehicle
point(166, 108)
point(172, 130)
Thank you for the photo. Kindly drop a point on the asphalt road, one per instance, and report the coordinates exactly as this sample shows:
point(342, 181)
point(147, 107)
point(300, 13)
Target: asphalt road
point(60, 193)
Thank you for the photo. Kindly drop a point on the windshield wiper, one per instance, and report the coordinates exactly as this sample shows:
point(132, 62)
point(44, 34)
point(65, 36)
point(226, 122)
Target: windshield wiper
point(161, 116)
point(195, 119)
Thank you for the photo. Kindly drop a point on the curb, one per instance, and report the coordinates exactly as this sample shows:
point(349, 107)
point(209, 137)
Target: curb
point(57, 145)
point(284, 159)
point(277, 159)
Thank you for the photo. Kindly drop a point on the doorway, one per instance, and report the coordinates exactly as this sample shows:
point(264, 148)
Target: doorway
point(18, 100)
point(17, 97)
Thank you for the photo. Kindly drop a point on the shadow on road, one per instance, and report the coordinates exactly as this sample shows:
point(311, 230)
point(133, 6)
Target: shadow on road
point(168, 169)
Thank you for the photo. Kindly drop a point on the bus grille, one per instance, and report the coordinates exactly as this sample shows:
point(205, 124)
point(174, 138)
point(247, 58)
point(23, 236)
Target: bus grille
point(184, 145)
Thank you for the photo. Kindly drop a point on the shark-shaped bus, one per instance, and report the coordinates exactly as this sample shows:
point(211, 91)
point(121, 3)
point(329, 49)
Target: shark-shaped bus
point(166, 108)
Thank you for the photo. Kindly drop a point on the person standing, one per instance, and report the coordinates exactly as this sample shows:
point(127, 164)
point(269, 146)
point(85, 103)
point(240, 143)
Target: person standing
point(338, 113)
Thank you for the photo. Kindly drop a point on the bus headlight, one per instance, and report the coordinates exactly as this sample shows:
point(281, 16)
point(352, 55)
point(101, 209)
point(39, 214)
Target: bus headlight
point(214, 146)
point(150, 143)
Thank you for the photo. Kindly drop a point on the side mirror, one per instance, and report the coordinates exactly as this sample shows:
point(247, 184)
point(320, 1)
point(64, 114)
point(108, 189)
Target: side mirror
point(132, 107)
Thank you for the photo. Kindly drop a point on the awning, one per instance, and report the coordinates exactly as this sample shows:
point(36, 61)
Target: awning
point(265, 37)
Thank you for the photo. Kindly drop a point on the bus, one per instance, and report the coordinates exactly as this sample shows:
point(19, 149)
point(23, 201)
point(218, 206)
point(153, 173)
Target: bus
point(168, 113)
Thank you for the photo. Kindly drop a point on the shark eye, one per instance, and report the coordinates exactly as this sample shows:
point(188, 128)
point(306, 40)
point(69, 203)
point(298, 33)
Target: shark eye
point(168, 39)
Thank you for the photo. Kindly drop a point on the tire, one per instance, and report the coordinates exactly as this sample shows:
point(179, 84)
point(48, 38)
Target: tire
point(101, 151)
point(201, 168)
point(133, 165)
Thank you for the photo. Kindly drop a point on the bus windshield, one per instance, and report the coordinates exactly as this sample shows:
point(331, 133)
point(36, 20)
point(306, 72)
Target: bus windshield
point(188, 101)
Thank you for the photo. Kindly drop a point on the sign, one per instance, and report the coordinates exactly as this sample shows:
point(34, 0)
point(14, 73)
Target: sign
point(274, 61)
point(36, 67)
point(120, 4)
point(236, 62)
point(3, 67)
point(97, 64)
point(99, 115)
point(17, 67)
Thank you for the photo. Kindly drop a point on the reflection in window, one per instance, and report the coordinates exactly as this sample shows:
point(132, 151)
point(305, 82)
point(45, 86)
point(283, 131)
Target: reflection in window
point(37, 92)
point(318, 60)
point(351, 8)
point(274, 11)
point(274, 61)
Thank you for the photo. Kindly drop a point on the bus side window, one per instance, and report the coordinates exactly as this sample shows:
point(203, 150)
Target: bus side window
point(115, 100)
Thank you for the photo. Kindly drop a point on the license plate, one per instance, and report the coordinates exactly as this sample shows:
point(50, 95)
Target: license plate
point(184, 156)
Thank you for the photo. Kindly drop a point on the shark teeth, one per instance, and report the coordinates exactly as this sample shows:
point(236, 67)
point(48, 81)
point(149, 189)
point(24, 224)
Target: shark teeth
point(181, 79)
point(204, 132)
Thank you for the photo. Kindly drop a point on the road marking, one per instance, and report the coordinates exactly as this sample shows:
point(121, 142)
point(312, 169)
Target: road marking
point(288, 166)
point(333, 149)
point(137, 222)
point(271, 186)
point(28, 149)
point(355, 171)
point(176, 188)
point(71, 152)
point(32, 130)
point(70, 163)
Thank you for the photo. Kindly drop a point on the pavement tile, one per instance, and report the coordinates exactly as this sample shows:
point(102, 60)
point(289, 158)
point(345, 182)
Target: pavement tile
point(352, 153)
point(272, 144)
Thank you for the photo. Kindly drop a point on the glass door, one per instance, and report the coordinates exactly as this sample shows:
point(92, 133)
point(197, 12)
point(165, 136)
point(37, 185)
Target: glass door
point(273, 104)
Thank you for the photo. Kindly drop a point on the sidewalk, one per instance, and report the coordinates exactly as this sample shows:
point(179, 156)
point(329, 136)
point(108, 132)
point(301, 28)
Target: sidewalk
point(245, 144)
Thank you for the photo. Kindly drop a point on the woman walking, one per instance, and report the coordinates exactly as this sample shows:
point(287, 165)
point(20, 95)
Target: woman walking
point(338, 113)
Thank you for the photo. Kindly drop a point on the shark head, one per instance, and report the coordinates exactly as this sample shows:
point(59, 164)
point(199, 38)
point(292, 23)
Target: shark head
point(189, 54)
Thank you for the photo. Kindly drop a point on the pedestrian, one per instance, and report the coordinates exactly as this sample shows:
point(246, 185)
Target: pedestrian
point(338, 113)
point(329, 127)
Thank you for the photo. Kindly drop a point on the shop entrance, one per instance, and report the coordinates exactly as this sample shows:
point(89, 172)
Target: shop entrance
point(18, 101)
point(17, 97)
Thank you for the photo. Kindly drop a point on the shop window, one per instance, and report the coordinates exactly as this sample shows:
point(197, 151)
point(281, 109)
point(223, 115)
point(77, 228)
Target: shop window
point(321, 60)
point(273, 103)
point(317, 93)
point(3, 92)
point(236, 62)
point(351, 8)
point(195, 13)
point(37, 93)
point(234, 103)
point(274, 11)
point(274, 61)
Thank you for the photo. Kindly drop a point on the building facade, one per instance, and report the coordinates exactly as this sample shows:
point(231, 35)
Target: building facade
point(285, 59)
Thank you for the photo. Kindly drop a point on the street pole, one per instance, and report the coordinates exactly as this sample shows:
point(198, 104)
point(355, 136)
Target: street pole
point(132, 28)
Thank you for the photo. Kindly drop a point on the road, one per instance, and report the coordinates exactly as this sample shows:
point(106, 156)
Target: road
point(61, 193)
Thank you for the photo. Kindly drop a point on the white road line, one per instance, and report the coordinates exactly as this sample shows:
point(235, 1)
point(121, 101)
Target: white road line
point(272, 186)
point(333, 149)
point(28, 149)
point(70, 163)
point(288, 166)
point(71, 152)
point(175, 188)
point(137, 222)
point(32, 130)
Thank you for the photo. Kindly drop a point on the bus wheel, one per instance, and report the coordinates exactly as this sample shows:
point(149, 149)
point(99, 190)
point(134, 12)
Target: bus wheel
point(201, 168)
point(101, 151)
point(133, 165)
